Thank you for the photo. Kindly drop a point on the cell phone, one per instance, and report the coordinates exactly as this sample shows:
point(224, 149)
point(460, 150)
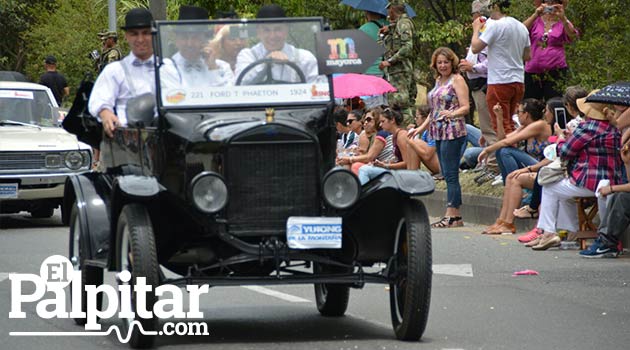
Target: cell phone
point(561, 117)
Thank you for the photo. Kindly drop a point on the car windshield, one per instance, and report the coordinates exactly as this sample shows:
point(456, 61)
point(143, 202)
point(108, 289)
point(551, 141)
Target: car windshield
point(252, 63)
point(26, 106)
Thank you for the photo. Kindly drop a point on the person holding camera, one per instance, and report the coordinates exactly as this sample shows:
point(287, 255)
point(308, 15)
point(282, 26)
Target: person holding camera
point(549, 32)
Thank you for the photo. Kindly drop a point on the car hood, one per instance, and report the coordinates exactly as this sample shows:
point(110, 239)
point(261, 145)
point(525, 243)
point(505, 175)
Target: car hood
point(27, 138)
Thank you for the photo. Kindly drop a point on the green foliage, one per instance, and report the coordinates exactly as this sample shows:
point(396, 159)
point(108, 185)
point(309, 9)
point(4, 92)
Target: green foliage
point(67, 29)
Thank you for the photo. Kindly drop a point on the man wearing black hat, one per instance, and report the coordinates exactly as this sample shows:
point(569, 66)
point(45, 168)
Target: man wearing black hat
point(195, 62)
point(132, 76)
point(54, 80)
point(273, 44)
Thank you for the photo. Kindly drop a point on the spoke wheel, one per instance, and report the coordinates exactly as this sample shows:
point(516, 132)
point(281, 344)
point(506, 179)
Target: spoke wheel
point(332, 299)
point(136, 253)
point(90, 275)
point(410, 287)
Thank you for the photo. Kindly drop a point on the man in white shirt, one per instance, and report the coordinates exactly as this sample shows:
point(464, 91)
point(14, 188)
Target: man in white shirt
point(195, 62)
point(273, 45)
point(508, 45)
point(132, 76)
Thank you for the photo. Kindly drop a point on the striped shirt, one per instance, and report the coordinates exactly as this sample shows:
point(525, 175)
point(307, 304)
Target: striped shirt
point(593, 154)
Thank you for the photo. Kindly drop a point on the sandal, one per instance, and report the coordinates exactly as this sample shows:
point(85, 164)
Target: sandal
point(448, 221)
point(525, 212)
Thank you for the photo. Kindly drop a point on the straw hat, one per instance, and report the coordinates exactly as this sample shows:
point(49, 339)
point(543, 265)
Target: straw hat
point(592, 110)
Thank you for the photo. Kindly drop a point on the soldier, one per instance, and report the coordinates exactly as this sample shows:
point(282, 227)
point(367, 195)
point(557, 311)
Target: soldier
point(110, 53)
point(398, 59)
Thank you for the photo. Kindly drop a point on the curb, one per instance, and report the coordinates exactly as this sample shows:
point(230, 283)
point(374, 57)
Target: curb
point(483, 210)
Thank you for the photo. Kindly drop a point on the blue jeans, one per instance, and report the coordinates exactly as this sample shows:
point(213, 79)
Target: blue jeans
point(449, 152)
point(470, 156)
point(510, 159)
point(368, 172)
point(473, 135)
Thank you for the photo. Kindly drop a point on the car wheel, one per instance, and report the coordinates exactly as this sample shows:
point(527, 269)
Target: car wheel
point(90, 275)
point(410, 286)
point(136, 253)
point(42, 212)
point(332, 299)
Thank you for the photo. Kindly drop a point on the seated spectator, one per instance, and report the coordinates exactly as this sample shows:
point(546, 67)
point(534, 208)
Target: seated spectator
point(353, 122)
point(391, 122)
point(534, 130)
point(569, 101)
point(592, 155)
point(346, 138)
point(421, 147)
point(617, 217)
point(379, 143)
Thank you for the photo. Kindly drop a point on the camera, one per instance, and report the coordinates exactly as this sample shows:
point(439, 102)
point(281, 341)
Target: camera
point(549, 9)
point(94, 55)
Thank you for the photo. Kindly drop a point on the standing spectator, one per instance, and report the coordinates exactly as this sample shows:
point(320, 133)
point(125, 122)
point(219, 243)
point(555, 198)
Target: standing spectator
point(111, 52)
point(54, 80)
point(132, 76)
point(375, 21)
point(549, 32)
point(449, 107)
point(508, 44)
point(476, 68)
point(398, 59)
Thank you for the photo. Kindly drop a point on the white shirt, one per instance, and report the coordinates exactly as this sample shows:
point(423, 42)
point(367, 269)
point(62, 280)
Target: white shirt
point(111, 90)
point(506, 38)
point(197, 74)
point(302, 58)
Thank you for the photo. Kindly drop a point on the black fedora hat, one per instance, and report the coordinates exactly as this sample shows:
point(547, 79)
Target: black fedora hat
point(192, 12)
point(138, 18)
point(271, 11)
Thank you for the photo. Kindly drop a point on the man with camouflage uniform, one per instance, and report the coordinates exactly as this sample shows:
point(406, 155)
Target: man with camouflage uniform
point(110, 53)
point(398, 59)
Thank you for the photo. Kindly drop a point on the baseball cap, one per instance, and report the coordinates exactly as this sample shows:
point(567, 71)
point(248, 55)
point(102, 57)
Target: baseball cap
point(50, 59)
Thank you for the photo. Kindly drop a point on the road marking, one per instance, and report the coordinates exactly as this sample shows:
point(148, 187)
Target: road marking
point(283, 296)
point(462, 270)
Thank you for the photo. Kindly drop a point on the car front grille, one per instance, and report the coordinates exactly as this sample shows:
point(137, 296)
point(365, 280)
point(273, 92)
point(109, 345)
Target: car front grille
point(22, 160)
point(268, 182)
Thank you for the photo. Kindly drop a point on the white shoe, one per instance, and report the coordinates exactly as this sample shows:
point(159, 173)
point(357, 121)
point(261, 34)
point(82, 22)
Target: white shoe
point(498, 180)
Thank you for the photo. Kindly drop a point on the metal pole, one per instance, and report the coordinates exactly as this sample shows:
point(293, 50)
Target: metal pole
point(158, 9)
point(112, 15)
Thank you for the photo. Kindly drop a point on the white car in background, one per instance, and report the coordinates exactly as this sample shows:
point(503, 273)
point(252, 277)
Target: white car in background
point(36, 155)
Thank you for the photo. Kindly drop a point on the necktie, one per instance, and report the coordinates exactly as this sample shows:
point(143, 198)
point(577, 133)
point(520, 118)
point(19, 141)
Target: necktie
point(190, 66)
point(137, 63)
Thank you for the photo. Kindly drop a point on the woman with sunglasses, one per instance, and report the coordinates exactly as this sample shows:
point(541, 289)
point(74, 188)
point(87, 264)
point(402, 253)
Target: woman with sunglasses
point(374, 143)
point(390, 122)
point(549, 32)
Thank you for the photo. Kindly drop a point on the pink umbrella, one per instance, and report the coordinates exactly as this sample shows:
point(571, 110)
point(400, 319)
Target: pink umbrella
point(352, 85)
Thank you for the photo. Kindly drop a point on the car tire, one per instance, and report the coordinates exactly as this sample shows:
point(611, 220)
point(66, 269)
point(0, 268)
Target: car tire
point(136, 253)
point(90, 275)
point(42, 212)
point(331, 299)
point(410, 287)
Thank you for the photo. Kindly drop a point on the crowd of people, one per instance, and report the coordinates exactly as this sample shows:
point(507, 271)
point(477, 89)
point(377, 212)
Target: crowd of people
point(513, 72)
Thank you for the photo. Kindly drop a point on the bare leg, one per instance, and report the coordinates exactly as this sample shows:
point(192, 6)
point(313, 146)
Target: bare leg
point(522, 181)
point(426, 154)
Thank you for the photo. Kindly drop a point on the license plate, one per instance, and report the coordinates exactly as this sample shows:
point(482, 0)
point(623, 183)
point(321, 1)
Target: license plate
point(8, 190)
point(314, 232)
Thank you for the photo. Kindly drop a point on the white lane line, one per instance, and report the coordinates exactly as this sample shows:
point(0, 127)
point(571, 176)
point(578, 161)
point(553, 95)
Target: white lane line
point(283, 296)
point(461, 270)
point(376, 323)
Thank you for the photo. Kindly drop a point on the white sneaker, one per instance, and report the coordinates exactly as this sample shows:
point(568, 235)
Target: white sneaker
point(498, 180)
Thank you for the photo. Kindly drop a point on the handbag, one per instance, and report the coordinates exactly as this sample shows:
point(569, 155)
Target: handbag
point(552, 173)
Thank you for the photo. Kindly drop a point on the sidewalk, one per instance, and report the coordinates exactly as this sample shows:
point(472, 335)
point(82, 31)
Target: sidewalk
point(482, 210)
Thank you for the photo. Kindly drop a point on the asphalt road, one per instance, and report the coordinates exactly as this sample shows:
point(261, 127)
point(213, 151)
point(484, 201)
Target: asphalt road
point(573, 303)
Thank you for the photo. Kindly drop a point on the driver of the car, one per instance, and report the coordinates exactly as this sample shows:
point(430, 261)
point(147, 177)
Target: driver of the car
point(273, 44)
point(195, 64)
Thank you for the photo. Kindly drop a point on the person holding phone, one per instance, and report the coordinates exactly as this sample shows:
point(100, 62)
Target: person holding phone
point(549, 31)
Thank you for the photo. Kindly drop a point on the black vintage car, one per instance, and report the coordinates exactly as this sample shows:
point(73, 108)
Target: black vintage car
point(232, 181)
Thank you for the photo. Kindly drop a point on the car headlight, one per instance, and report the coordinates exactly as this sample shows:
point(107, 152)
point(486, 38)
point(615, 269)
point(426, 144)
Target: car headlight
point(341, 188)
point(209, 192)
point(74, 160)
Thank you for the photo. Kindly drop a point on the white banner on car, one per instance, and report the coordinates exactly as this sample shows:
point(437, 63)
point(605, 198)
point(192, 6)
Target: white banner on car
point(28, 95)
point(246, 94)
point(314, 232)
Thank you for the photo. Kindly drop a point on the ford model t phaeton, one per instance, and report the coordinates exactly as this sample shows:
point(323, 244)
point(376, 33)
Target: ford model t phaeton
point(236, 184)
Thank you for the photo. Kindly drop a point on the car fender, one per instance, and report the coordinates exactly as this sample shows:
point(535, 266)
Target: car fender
point(92, 211)
point(137, 186)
